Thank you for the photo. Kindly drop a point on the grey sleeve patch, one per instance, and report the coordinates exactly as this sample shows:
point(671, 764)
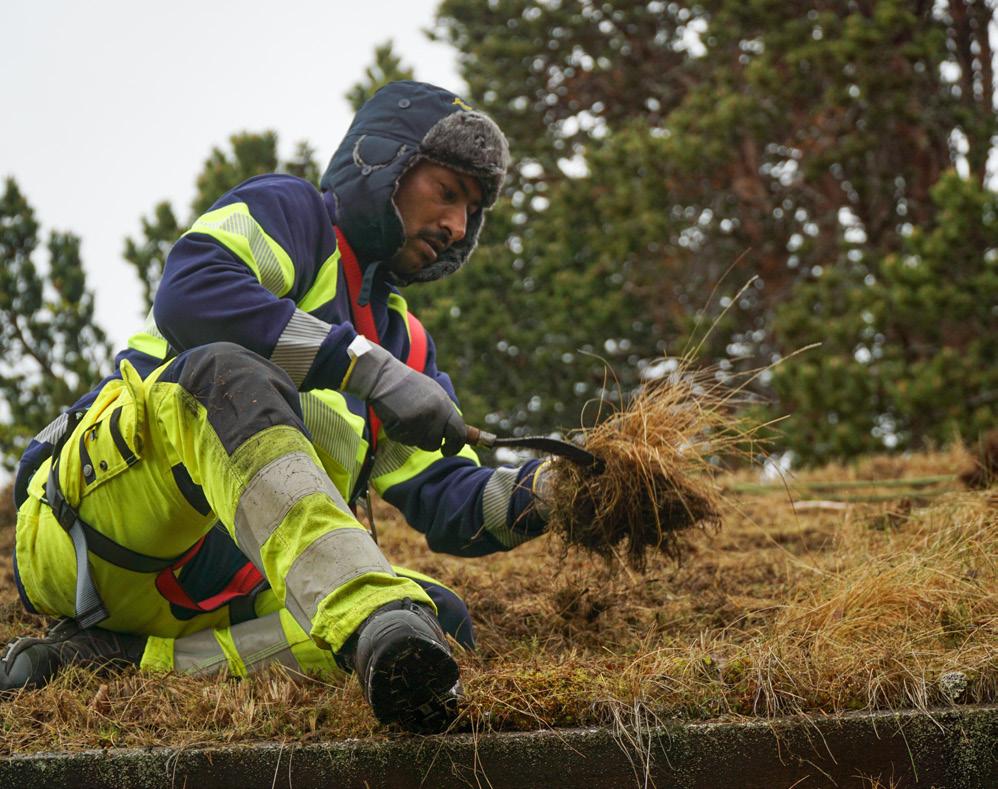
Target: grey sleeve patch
point(495, 507)
point(298, 345)
point(332, 560)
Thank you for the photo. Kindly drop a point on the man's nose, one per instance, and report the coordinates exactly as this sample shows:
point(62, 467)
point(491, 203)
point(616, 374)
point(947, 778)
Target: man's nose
point(455, 221)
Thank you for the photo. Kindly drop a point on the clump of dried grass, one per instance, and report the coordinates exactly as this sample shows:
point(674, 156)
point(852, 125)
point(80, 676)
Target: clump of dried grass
point(983, 472)
point(660, 452)
point(871, 621)
point(80, 709)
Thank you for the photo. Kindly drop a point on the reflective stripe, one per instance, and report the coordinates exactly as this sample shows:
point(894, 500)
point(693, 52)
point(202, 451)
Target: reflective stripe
point(223, 636)
point(272, 492)
point(328, 563)
point(150, 340)
point(235, 228)
point(398, 303)
point(336, 433)
point(298, 344)
point(158, 654)
point(495, 507)
point(261, 642)
point(53, 431)
point(152, 346)
point(398, 463)
point(198, 653)
point(392, 456)
point(324, 287)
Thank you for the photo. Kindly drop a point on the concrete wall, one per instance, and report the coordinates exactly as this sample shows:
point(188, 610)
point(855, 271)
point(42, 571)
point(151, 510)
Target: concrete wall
point(947, 748)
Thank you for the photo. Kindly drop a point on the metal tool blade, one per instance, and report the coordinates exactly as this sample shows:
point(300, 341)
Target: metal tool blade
point(552, 446)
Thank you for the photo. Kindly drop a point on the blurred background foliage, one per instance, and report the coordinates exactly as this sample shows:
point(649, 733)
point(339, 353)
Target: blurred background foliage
point(665, 154)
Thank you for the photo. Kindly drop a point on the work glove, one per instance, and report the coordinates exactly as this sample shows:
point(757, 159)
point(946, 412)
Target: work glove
point(414, 408)
point(541, 487)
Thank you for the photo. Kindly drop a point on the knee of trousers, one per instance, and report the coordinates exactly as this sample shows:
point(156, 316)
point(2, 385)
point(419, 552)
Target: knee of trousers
point(242, 393)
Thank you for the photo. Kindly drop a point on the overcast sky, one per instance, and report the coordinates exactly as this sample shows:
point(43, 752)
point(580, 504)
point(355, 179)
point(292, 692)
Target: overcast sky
point(110, 106)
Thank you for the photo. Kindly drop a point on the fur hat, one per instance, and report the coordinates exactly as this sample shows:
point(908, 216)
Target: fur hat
point(403, 123)
point(471, 143)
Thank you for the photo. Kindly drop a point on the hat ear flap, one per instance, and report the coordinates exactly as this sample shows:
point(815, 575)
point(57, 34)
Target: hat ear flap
point(373, 153)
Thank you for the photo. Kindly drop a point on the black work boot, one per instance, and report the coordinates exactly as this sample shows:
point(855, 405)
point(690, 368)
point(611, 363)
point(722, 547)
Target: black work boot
point(405, 667)
point(32, 662)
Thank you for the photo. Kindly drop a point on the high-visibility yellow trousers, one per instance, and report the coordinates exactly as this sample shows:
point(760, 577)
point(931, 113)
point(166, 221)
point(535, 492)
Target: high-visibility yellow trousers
point(215, 435)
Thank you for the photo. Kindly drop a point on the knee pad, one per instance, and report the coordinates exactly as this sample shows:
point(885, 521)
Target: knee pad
point(242, 393)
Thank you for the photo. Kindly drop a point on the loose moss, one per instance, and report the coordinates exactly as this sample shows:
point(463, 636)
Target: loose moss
point(659, 453)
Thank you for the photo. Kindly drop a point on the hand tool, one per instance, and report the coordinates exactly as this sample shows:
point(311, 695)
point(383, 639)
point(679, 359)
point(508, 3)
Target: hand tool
point(554, 446)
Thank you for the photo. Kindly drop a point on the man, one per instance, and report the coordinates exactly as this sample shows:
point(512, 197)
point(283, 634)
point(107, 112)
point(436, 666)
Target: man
point(197, 510)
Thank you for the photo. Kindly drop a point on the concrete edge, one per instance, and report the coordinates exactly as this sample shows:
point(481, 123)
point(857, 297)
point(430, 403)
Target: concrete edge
point(953, 747)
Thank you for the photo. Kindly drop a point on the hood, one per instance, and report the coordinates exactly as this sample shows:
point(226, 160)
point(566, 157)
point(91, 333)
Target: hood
point(401, 124)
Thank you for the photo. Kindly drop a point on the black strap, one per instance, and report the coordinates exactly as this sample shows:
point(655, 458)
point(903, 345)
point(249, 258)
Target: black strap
point(90, 608)
point(119, 440)
point(190, 490)
point(86, 464)
point(100, 544)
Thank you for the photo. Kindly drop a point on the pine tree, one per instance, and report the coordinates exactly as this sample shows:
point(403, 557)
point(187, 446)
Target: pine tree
point(656, 144)
point(53, 349)
point(387, 67)
point(909, 351)
point(248, 154)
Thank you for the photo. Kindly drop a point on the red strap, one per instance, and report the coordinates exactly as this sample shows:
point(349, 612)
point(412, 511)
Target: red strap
point(417, 344)
point(363, 321)
point(363, 317)
point(243, 582)
point(246, 579)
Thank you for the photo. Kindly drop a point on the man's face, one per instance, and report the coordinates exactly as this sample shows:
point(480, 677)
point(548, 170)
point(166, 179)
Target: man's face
point(435, 203)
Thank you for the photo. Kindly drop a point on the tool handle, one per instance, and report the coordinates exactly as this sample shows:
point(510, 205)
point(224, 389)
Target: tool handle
point(480, 438)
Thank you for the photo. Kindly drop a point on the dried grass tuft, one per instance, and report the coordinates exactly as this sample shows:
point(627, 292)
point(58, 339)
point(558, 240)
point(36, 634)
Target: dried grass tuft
point(984, 470)
point(660, 452)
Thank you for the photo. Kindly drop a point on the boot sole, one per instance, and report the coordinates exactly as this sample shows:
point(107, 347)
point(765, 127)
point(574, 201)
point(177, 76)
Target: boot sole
point(412, 683)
